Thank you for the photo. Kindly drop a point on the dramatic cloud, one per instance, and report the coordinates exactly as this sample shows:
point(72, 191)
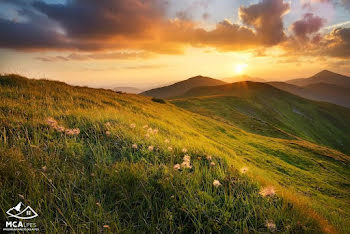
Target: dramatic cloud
point(337, 43)
point(308, 25)
point(89, 25)
point(266, 18)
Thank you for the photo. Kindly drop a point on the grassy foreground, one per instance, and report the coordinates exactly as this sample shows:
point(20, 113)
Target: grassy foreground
point(117, 174)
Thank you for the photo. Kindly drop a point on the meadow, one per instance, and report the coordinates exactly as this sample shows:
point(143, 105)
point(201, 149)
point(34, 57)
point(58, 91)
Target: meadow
point(93, 160)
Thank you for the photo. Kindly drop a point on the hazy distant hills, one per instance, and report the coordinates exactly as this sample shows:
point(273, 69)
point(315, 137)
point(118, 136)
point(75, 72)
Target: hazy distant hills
point(128, 90)
point(326, 77)
point(263, 109)
point(319, 92)
point(182, 87)
point(242, 78)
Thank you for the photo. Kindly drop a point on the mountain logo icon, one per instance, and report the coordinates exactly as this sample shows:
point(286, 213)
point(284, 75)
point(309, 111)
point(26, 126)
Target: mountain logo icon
point(21, 212)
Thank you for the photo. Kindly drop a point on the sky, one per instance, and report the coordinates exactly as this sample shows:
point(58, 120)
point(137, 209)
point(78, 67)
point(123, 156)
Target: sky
point(146, 43)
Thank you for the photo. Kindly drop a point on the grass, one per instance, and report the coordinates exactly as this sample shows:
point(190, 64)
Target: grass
point(82, 183)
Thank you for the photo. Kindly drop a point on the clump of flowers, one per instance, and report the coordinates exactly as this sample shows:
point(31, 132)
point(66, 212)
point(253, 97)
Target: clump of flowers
point(134, 146)
point(170, 148)
point(267, 191)
point(150, 148)
point(177, 167)
point(212, 164)
point(184, 150)
point(186, 162)
point(145, 126)
point(59, 128)
point(108, 133)
point(147, 135)
point(244, 170)
point(209, 157)
point(108, 124)
point(270, 225)
point(44, 168)
point(166, 141)
point(133, 125)
point(216, 183)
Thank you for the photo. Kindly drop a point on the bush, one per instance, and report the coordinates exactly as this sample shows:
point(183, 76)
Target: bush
point(159, 100)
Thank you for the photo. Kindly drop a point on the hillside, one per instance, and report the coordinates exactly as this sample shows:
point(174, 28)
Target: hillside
point(318, 92)
point(92, 160)
point(324, 76)
point(252, 106)
point(182, 87)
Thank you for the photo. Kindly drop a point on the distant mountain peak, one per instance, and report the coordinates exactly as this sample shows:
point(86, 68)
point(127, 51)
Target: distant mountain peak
point(325, 73)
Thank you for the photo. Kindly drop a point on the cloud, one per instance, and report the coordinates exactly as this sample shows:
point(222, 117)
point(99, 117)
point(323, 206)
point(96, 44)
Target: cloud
point(122, 55)
point(89, 27)
point(266, 18)
point(337, 43)
point(306, 26)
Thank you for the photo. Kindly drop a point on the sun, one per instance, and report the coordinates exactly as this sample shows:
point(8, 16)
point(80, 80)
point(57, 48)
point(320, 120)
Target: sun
point(240, 68)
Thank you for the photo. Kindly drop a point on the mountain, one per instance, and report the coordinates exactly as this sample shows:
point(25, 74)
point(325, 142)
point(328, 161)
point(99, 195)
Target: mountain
point(263, 109)
point(128, 90)
point(182, 87)
point(242, 78)
point(318, 92)
point(324, 76)
point(101, 161)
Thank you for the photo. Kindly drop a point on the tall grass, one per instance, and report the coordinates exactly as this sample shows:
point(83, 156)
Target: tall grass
point(95, 182)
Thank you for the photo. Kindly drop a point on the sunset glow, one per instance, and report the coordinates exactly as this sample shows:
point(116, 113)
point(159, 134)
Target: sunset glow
point(240, 68)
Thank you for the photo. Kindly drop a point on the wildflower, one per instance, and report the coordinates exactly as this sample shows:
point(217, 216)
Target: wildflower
point(69, 132)
point(51, 121)
point(44, 168)
point(92, 174)
point(150, 130)
point(212, 164)
point(216, 183)
point(108, 133)
point(186, 164)
point(147, 135)
point(106, 226)
point(134, 146)
point(244, 170)
point(133, 125)
point(98, 204)
point(166, 141)
point(270, 225)
point(76, 131)
point(209, 158)
point(267, 191)
point(60, 128)
point(108, 124)
point(170, 148)
point(187, 158)
point(21, 196)
point(145, 126)
point(177, 167)
point(184, 150)
point(155, 131)
point(150, 148)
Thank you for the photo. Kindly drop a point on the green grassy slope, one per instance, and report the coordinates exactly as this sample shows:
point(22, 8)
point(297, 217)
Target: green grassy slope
point(252, 106)
point(79, 183)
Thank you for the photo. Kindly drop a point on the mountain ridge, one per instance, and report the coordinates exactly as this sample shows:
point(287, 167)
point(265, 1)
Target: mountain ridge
point(181, 87)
